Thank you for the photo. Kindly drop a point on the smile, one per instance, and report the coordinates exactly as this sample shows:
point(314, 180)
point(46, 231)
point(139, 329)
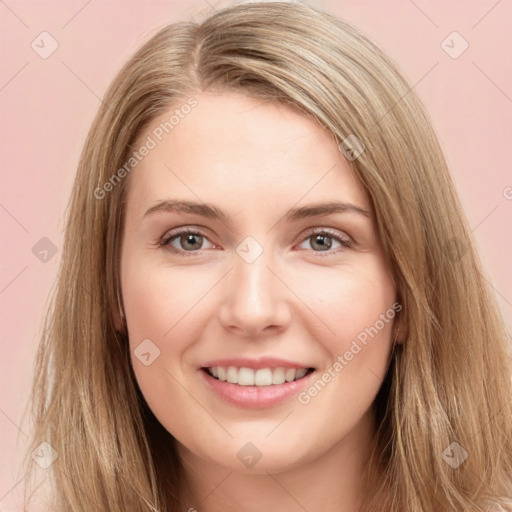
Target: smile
point(257, 377)
point(255, 388)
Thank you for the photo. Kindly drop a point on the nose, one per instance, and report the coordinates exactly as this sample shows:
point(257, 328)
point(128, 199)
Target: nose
point(255, 300)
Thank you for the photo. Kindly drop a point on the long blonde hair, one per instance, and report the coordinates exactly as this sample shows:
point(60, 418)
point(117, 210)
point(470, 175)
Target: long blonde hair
point(450, 382)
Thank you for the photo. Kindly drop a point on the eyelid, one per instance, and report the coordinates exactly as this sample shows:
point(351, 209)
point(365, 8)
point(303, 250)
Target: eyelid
point(338, 235)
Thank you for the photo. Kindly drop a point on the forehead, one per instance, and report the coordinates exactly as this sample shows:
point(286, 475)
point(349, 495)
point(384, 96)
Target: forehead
point(241, 151)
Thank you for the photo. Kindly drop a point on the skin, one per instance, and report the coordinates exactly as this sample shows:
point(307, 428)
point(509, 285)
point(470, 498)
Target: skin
point(255, 161)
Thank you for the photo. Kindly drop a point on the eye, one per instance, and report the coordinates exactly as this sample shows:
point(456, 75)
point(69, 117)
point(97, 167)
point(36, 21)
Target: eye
point(321, 240)
point(190, 240)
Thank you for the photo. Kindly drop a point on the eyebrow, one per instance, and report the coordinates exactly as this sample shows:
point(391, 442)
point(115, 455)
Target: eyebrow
point(294, 214)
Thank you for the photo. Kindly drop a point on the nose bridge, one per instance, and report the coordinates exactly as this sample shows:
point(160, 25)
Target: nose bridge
point(254, 297)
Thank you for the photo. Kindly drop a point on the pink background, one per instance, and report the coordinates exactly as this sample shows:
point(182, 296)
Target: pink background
point(48, 105)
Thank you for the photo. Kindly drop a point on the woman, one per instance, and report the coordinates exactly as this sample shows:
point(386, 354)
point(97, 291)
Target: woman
point(262, 365)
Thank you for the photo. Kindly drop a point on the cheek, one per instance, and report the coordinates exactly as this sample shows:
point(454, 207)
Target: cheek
point(351, 302)
point(157, 300)
point(164, 311)
point(359, 306)
point(158, 304)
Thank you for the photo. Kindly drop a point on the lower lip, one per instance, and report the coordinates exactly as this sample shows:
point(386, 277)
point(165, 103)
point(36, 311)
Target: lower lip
point(256, 397)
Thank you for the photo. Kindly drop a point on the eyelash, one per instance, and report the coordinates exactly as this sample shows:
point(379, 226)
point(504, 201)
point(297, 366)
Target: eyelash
point(166, 239)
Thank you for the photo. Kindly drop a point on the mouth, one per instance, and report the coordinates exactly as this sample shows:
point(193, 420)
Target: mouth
point(256, 383)
point(261, 377)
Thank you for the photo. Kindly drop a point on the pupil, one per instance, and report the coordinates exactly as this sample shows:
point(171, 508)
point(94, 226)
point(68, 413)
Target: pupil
point(323, 244)
point(190, 238)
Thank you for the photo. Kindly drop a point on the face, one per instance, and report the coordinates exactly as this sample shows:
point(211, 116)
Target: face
point(260, 324)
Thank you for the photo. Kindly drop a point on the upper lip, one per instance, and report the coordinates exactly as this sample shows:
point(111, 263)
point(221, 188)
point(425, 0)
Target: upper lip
point(255, 363)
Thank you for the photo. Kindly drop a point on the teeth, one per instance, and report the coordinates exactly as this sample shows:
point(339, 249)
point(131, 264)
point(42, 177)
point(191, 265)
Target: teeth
point(278, 376)
point(289, 374)
point(300, 373)
point(261, 377)
point(246, 377)
point(232, 375)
